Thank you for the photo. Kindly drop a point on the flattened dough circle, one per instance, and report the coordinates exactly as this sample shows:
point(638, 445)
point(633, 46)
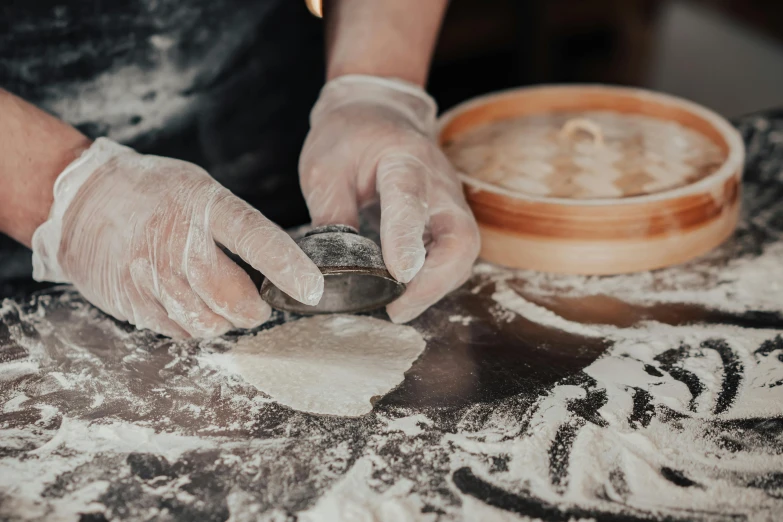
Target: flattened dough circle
point(330, 364)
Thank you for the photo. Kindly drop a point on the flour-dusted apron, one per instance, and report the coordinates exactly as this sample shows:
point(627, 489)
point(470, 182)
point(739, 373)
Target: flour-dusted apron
point(225, 84)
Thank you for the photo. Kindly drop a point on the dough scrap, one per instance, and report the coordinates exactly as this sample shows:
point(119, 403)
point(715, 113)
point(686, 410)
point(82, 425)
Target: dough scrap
point(330, 364)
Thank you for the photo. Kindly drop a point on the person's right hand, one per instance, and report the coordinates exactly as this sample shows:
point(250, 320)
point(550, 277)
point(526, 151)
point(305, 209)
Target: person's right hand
point(138, 237)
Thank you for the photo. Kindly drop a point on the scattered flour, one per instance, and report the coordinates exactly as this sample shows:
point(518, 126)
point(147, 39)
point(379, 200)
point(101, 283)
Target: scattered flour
point(411, 425)
point(464, 320)
point(77, 443)
point(512, 301)
point(353, 499)
point(736, 285)
point(664, 406)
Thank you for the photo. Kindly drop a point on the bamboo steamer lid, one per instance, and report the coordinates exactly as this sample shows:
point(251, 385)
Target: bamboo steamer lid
point(606, 235)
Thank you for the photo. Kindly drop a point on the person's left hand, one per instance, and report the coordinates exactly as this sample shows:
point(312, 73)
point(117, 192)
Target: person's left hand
point(373, 137)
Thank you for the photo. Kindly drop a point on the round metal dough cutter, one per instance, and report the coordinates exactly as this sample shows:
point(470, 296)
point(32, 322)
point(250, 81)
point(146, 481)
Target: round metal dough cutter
point(355, 276)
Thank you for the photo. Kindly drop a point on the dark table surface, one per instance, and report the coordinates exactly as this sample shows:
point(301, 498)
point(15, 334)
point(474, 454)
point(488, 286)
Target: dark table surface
point(655, 396)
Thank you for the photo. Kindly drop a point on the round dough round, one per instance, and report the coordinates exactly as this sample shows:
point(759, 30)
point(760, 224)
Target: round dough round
point(329, 364)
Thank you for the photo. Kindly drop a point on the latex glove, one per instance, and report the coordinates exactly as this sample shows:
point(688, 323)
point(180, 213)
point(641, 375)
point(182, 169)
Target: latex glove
point(137, 236)
point(372, 137)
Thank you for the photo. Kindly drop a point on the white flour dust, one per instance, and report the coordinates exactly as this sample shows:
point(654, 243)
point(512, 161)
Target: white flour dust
point(706, 379)
point(464, 320)
point(334, 365)
point(513, 302)
point(74, 444)
point(736, 285)
point(655, 444)
point(122, 423)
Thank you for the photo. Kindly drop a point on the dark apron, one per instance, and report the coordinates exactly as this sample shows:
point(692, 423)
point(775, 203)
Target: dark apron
point(225, 84)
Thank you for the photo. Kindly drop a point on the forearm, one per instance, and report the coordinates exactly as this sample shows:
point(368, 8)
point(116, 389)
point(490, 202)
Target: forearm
point(382, 38)
point(34, 148)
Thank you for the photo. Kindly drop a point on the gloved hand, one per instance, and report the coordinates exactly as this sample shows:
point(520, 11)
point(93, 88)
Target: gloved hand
point(372, 137)
point(138, 237)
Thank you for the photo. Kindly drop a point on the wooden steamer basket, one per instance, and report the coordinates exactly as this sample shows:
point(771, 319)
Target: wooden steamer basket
point(610, 235)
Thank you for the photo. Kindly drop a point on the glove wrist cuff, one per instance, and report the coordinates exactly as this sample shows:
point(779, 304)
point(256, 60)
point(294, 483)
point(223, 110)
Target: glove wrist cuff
point(47, 237)
point(419, 107)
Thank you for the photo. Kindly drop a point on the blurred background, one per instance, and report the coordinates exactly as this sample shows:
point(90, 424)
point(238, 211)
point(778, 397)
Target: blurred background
point(725, 54)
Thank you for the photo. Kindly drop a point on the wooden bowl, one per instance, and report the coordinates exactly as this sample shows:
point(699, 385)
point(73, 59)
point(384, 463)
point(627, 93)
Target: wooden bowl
point(601, 236)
